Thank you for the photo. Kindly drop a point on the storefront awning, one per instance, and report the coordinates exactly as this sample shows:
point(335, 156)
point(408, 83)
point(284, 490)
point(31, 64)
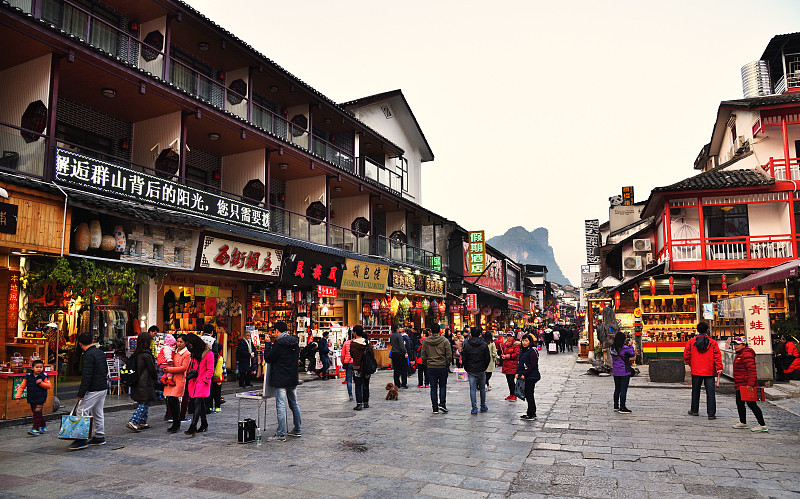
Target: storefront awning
point(767, 276)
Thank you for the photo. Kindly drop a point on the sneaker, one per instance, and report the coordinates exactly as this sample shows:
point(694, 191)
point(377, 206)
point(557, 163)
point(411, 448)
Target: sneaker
point(512, 398)
point(740, 426)
point(625, 410)
point(276, 438)
point(358, 407)
point(712, 417)
point(294, 433)
point(616, 409)
point(218, 409)
point(168, 420)
point(366, 405)
point(427, 386)
point(144, 426)
point(527, 418)
point(484, 408)
point(186, 420)
point(488, 388)
point(419, 386)
point(43, 429)
point(759, 428)
point(132, 427)
point(97, 441)
point(78, 445)
point(436, 411)
point(693, 413)
point(474, 411)
point(509, 397)
point(443, 409)
point(33, 432)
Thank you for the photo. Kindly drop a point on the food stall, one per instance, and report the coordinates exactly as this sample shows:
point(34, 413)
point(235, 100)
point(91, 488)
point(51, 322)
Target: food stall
point(747, 316)
point(11, 375)
point(668, 321)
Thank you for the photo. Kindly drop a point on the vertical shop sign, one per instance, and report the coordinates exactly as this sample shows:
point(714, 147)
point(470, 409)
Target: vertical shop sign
point(476, 253)
point(8, 218)
point(472, 303)
point(627, 196)
point(13, 304)
point(756, 323)
point(592, 229)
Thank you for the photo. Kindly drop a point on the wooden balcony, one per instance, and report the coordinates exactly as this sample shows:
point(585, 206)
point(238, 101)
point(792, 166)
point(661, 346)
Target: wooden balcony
point(729, 253)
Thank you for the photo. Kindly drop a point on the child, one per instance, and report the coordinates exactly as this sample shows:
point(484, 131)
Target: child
point(37, 384)
point(164, 359)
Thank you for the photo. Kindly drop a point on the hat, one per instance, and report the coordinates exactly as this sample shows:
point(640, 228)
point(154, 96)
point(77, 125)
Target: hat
point(739, 340)
point(280, 326)
point(509, 333)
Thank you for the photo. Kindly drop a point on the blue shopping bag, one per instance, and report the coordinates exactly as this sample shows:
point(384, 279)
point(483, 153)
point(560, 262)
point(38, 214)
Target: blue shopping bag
point(74, 427)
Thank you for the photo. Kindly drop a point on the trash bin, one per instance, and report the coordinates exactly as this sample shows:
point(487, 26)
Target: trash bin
point(584, 348)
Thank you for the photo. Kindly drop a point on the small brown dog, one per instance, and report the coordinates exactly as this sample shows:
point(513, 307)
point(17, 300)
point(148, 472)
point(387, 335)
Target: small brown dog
point(393, 391)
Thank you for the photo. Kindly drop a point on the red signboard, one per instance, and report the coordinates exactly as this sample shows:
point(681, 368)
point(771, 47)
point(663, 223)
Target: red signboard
point(13, 304)
point(472, 303)
point(455, 308)
point(492, 276)
point(326, 291)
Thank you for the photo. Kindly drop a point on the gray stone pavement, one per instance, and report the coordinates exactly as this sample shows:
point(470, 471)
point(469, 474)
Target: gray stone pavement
point(579, 447)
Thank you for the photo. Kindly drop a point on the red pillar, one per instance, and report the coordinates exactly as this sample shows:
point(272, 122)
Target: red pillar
point(786, 147)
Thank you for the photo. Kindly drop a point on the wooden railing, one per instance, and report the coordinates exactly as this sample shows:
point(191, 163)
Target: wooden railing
point(776, 167)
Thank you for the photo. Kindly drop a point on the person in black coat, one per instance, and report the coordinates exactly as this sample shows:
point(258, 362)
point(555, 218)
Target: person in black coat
point(475, 356)
point(145, 390)
point(282, 360)
point(93, 389)
point(324, 351)
point(528, 369)
point(245, 352)
point(307, 354)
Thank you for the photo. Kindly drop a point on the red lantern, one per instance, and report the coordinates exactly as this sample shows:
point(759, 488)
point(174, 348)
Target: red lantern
point(724, 283)
point(636, 292)
point(694, 285)
point(652, 286)
point(671, 284)
point(616, 299)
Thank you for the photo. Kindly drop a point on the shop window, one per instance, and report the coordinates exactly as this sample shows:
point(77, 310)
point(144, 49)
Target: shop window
point(74, 21)
point(401, 167)
point(78, 139)
point(195, 177)
point(726, 221)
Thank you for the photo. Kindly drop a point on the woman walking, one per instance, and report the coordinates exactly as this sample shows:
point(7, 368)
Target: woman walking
point(145, 390)
point(510, 356)
point(744, 375)
point(357, 348)
point(422, 371)
point(347, 362)
point(528, 369)
point(180, 360)
point(200, 373)
point(621, 355)
point(487, 337)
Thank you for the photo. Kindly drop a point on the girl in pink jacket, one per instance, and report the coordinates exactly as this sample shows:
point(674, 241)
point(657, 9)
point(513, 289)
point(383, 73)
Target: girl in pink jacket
point(200, 384)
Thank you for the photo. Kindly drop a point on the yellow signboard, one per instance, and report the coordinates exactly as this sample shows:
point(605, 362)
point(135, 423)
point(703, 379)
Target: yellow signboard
point(208, 291)
point(363, 276)
point(476, 253)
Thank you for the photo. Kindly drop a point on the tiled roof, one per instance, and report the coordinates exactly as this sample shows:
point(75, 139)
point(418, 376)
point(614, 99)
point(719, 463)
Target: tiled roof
point(719, 179)
point(767, 100)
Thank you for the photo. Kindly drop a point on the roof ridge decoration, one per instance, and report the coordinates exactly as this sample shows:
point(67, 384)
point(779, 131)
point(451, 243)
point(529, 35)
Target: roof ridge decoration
point(720, 179)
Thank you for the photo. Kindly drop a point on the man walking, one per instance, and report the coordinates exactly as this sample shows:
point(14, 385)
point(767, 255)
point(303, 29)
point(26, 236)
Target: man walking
point(704, 358)
point(324, 352)
point(475, 356)
point(399, 358)
point(92, 391)
point(283, 359)
point(244, 355)
point(437, 354)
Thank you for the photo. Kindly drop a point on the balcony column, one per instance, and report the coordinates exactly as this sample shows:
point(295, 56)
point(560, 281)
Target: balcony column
point(667, 229)
point(311, 135)
point(327, 208)
point(250, 100)
point(48, 169)
point(167, 42)
point(786, 147)
point(268, 183)
point(371, 239)
point(701, 226)
point(182, 155)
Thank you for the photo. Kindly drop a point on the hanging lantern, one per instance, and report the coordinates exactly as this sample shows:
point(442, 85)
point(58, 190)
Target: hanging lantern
point(616, 299)
point(496, 312)
point(652, 286)
point(405, 305)
point(442, 307)
point(694, 285)
point(724, 283)
point(376, 305)
point(366, 310)
point(394, 305)
point(636, 292)
point(385, 308)
point(486, 310)
point(671, 284)
point(426, 305)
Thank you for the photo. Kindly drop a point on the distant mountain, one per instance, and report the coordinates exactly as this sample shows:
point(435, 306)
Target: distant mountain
point(530, 247)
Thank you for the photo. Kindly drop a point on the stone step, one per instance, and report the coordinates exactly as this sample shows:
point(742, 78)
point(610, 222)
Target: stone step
point(788, 388)
point(795, 383)
point(774, 394)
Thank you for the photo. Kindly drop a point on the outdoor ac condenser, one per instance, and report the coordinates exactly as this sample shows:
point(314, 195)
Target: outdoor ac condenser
point(632, 263)
point(641, 245)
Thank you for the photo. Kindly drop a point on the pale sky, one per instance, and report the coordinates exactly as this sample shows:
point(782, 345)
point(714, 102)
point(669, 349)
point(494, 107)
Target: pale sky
point(537, 112)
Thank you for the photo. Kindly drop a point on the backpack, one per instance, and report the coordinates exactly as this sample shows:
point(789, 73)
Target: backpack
point(702, 343)
point(128, 374)
point(368, 363)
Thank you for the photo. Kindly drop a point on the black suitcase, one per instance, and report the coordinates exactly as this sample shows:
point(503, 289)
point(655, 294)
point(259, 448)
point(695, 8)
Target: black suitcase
point(247, 431)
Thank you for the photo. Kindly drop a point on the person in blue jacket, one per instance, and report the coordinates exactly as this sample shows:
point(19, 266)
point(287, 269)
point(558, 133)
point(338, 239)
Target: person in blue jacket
point(621, 354)
point(324, 350)
point(528, 369)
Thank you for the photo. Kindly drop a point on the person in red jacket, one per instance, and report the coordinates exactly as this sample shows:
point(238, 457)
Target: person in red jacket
point(791, 359)
point(510, 356)
point(705, 360)
point(744, 375)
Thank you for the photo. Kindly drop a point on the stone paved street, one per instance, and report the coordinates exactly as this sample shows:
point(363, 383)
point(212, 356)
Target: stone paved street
point(578, 448)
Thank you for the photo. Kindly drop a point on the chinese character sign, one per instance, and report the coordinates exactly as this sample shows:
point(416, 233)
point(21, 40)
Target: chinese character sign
point(8, 219)
point(756, 323)
point(493, 276)
point(305, 267)
point(363, 276)
point(472, 303)
point(592, 229)
point(90, 174)
point(476, 253)
point(223, 254)
point(627, 196)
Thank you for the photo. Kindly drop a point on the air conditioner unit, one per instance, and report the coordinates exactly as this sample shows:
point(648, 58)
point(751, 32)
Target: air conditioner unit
point(641, 245)
point(741, 144)
point(632, 263)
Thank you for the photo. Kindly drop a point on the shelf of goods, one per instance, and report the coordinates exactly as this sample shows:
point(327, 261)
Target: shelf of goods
point(668, 321)
point(777, 296)
point(379, 337)
point(334, 314)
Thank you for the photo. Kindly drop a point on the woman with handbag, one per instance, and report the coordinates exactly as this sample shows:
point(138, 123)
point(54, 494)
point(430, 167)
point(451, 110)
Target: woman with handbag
point(200, 373)
point(528, 369)
point(621, 355)
point(509, 353)
point(180, 361)
point(487, 337)
point(145, 390)
point(745, 381)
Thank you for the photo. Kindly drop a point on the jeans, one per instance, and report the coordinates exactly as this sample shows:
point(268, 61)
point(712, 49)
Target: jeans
point(530, 386)
point(362, 389)
point(281, 397)
point(141, 413)
point(326, 364)
point(512, 383)
point(477, 381)
point(93, 403)
point(711, 400)
point(438, 378)
point(348, 375)
point(621, 391)
point(399, 365)
point(753, 407)
point(199, 413)
point(422, 374)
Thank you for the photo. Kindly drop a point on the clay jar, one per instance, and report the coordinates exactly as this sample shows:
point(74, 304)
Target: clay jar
point(95, 234)
point(82, 237)
point(108, 243)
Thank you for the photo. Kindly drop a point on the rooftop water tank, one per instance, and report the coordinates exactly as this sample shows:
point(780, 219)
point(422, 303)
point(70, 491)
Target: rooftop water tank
point(755, 79)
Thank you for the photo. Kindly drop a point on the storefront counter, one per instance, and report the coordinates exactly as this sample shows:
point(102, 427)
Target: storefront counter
point(382, 357)
point(12, 409)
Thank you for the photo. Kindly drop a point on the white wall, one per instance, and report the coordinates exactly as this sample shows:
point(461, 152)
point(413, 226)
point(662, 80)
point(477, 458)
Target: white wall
point(162, 130)
point(350, 208)
point(239, 169)
point(768, 219)
point(19, 86)
point(156, 66)
point(298, 190)
point(396, 220)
